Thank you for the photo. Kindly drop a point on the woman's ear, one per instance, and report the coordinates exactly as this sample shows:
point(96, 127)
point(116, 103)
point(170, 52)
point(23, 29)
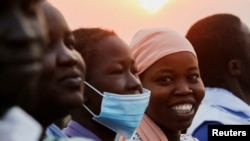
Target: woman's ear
point(234, 67)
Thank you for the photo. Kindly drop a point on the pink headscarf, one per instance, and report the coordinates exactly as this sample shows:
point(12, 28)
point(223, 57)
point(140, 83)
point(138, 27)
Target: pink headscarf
point(150, 45)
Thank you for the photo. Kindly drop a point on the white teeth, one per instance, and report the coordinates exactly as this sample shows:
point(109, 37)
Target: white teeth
point(183, 108)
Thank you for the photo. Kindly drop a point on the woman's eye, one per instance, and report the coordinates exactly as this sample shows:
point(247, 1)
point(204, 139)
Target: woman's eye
point(134, 70)
point(70, 43)
point(165, 80)
point(118, 72)
point(193, 77)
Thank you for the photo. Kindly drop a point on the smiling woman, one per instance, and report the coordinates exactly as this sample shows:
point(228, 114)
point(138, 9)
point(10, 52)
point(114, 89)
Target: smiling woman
point(153, 6)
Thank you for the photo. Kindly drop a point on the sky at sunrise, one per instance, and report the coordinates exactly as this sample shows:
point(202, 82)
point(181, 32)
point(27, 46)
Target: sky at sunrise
point(126, 17)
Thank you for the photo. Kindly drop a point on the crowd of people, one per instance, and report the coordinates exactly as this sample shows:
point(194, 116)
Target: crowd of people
point(162, 86)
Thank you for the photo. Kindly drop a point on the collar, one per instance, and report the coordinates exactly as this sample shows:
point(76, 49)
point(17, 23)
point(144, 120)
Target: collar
point(76, 129)
point(223, 98)
point(54, 131)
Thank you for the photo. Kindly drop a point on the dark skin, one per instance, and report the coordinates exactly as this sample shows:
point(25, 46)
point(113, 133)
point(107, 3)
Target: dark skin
point(113, 70)
point(223, 53)
point(237, 76)
point(175, 84)
point(23, 39)
point(61, 84)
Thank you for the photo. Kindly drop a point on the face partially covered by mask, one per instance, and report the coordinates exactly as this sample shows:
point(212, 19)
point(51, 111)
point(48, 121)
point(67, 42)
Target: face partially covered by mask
point(121, 113)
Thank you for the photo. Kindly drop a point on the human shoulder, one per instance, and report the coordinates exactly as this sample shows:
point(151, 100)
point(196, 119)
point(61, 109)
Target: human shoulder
point(201, 132)
point(67, 139)
point(16, 124)
point(187, 137)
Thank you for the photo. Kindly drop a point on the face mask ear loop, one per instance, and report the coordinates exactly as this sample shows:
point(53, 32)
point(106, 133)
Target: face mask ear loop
point(86, 83)
point(88, 110)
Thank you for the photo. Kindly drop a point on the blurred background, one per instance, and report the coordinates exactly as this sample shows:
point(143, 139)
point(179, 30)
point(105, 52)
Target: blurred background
point(126, 17)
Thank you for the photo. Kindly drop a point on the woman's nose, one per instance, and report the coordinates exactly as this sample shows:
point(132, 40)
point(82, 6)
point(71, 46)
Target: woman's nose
point(66, 56)
point(134, 84)
point(183, 88)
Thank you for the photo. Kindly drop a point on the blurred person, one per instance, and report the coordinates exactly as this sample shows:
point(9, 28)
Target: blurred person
point(23, 39)
point(61, 83)
point(114, 98)
point(222, 44)
point(168, 67)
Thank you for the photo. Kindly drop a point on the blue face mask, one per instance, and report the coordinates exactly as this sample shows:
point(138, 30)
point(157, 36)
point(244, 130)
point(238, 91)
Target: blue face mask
point(121, 113)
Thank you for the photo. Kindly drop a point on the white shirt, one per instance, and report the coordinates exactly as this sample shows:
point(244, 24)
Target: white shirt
point(222, 106)
point(17, 125)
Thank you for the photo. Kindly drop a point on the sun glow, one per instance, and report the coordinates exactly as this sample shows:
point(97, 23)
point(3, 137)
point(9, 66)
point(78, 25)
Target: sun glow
point(153, 5)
